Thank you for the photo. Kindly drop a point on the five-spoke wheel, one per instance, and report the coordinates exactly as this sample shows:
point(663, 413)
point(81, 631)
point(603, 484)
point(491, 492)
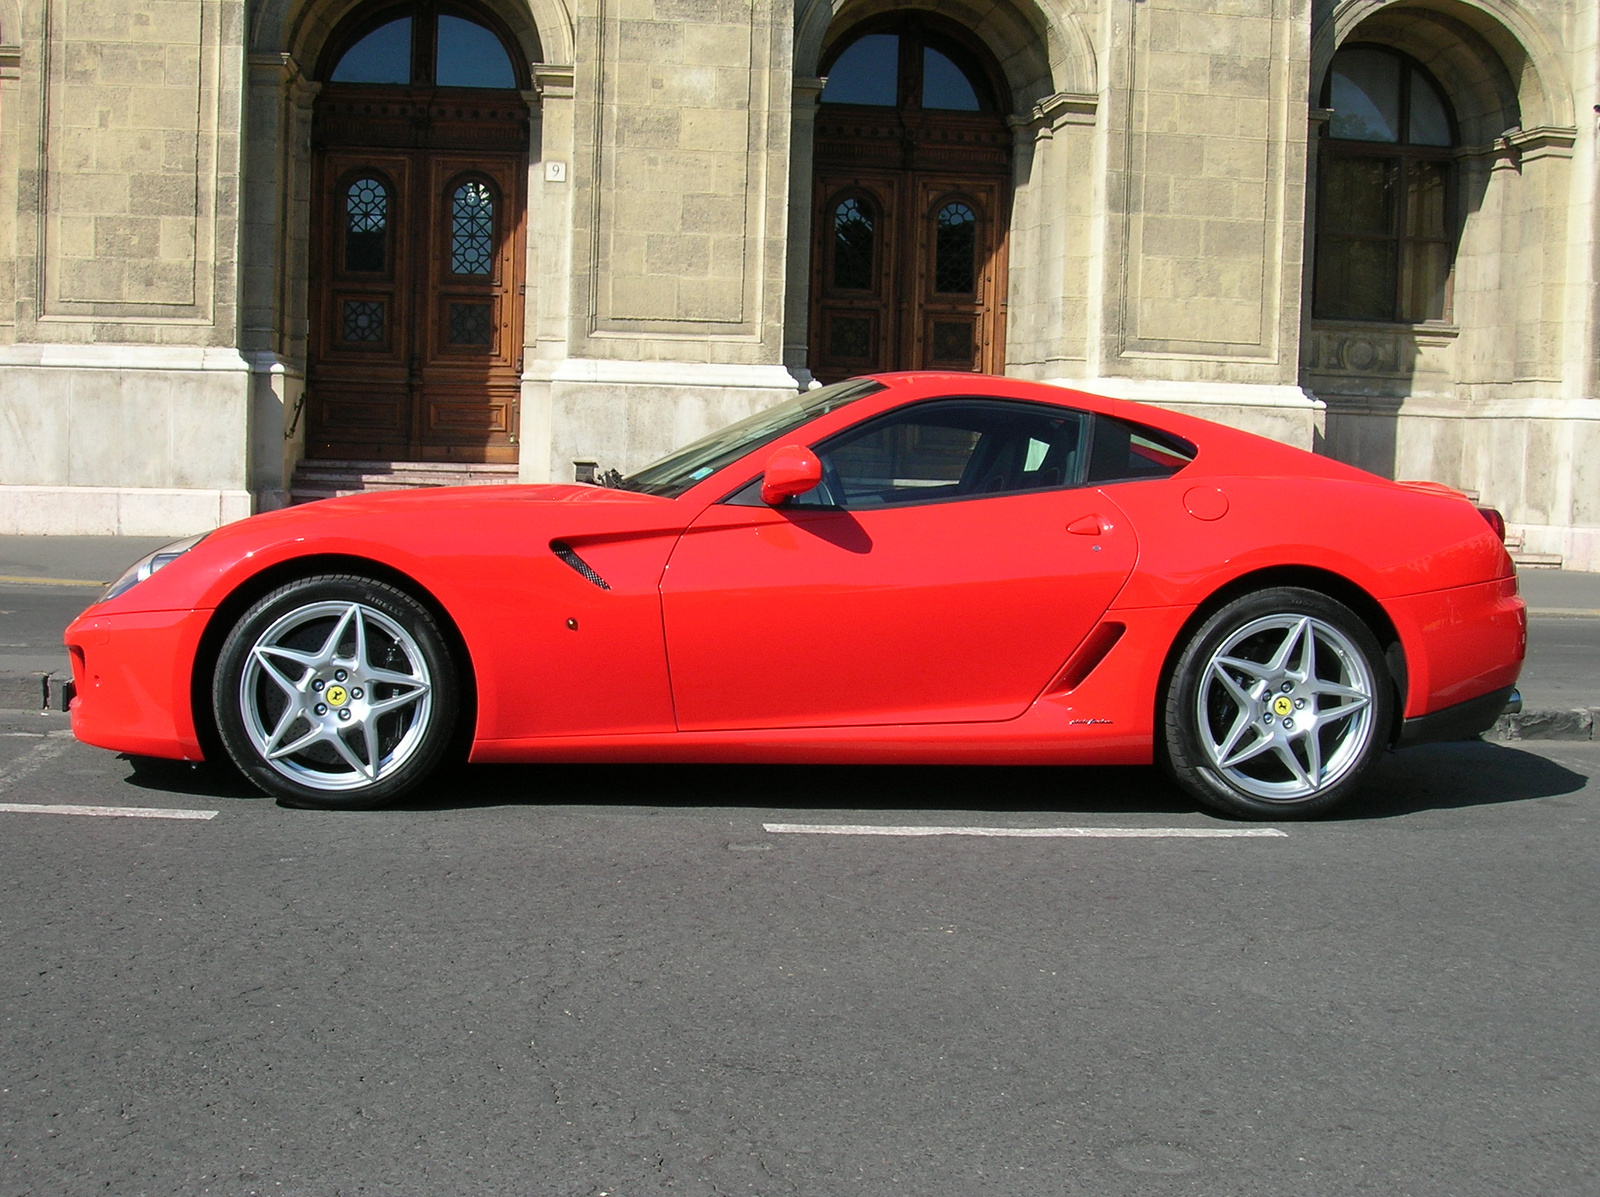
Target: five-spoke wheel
point(1279, 705)
point(335, 691)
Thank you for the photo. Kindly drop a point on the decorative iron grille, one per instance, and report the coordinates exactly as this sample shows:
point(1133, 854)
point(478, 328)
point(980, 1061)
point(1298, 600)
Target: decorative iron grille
point(472, 230)
point(363, 320)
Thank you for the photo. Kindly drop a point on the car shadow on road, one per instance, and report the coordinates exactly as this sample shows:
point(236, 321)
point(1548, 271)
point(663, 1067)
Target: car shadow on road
point(979, 789)
point(1460, 774)
point(1433, 777)
point(193, 780)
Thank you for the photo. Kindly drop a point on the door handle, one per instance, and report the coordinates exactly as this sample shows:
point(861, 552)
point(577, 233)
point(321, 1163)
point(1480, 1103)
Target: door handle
point(1088, 525)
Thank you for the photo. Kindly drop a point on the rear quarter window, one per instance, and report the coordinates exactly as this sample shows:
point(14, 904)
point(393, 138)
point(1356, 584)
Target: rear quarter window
point(1122, 451)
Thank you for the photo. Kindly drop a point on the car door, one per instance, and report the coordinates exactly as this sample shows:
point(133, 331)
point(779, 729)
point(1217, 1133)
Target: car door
point(943, 572)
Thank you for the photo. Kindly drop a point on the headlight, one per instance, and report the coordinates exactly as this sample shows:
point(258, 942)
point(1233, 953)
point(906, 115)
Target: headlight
point(145, 566)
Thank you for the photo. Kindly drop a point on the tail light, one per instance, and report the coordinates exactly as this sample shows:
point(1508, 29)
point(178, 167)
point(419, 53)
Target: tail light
point(1495, 520)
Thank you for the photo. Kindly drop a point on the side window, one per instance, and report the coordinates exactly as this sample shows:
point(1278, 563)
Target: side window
point(1123, 452)
point(901, 462)
point(946, 450)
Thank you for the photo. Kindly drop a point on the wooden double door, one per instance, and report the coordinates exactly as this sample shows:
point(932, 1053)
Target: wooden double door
point(415, 347)
point(911, 200)
point(908, 272)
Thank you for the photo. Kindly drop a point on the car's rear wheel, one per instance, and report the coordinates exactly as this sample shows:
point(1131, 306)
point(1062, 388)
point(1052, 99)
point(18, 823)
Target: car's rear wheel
point(1279, 706)
point(336, 691)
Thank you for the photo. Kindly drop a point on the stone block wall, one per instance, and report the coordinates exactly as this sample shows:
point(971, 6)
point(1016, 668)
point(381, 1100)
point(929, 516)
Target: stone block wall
point(154, 234)
point(123, 396)
point(127, 207)
point(680, 185)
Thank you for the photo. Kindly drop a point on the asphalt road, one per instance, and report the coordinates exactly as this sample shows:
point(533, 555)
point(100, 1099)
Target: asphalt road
point(604, 980)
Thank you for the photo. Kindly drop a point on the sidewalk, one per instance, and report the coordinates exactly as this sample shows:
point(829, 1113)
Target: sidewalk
point(45, 581)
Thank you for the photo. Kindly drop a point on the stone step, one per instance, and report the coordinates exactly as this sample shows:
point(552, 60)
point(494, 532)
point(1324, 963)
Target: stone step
point(396, 481)
point(1536, 560)
point(315, 480)
point(438, 470)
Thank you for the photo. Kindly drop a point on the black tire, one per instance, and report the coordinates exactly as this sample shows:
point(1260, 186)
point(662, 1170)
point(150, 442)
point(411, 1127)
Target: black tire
point(304, 713)
point(1254, 729)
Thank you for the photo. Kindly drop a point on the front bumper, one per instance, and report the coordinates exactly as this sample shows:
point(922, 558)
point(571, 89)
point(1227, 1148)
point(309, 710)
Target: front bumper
point(132, 674)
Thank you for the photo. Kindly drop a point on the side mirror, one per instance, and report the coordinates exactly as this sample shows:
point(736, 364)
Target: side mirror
point(791, 470)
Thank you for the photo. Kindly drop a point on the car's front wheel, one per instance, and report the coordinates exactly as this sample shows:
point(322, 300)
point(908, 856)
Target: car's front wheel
point(1279, 707)
point(336, 691)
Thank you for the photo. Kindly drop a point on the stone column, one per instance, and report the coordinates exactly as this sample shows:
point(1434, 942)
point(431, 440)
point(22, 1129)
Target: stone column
point(797, 295)
point(1052, 223)
point(549, 266)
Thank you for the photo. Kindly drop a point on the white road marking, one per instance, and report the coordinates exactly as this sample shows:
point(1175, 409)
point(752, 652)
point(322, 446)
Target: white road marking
point(1065, 833)
point(31, 580)
point(33, 760)
point(112, 812)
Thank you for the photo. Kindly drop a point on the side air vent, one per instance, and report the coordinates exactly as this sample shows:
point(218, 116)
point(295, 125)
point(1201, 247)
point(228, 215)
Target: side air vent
point(564, 550)
point(1090, 653)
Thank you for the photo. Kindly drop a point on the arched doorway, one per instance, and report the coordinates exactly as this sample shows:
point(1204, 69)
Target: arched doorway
point(419, 177)
point(911, 196)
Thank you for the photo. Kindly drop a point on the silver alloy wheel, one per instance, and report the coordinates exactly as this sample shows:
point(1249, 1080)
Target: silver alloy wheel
point(336, 695)
point(1284, 707)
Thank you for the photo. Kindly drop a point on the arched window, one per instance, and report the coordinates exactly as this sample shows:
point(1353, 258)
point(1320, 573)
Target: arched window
point(955, 272)
point(908, 66)
point(1385, 210)
point(854, 222)
point(366, 226)
point(426, 46)
point(381, 56)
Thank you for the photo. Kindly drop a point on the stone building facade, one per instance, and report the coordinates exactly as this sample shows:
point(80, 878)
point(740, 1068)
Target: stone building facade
point(237, 236)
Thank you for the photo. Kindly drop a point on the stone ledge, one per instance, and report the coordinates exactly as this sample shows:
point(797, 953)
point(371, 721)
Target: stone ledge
point(666, 374)
point(117, 511)
point(180, 358)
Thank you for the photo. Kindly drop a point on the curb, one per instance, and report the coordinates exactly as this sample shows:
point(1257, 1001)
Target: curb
point(1575, 724)
point(42, 692)
point(32, 691)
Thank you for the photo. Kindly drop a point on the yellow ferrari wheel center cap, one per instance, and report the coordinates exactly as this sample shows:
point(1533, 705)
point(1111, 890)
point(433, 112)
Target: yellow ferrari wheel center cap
point(337, 696)
point(1281, 705)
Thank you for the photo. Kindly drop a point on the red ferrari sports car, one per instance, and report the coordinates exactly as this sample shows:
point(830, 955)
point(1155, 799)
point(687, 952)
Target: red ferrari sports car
point(905, 568)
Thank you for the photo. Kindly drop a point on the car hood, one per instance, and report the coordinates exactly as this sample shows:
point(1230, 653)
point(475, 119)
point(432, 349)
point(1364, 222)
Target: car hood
point(423, 530)
point(472, 497)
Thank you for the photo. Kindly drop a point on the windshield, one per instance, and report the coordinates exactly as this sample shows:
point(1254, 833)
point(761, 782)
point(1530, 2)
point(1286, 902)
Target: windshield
point(676, 473)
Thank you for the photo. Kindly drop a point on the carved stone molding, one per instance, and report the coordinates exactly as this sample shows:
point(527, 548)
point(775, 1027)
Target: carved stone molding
point(10, 62)
point(1517, 146)
point(274, 63)
point(1546, 141)
point(553, 81)
point(1372, 350)
point(1053, 112)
